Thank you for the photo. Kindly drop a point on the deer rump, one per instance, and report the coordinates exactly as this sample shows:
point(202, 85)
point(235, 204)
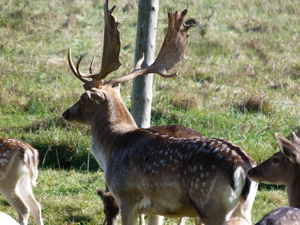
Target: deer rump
point(169, 176)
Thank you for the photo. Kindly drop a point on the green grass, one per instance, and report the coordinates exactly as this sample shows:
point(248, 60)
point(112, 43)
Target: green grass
point(239, 80)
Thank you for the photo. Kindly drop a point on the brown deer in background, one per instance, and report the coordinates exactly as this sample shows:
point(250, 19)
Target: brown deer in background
point(18, 172)
point(110, 206)
point(149, 172)
point(282, 168)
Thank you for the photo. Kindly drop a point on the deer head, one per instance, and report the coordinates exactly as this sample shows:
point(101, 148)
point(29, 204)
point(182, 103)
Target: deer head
point(282, 168)
point(98, 91)
point(279, 167)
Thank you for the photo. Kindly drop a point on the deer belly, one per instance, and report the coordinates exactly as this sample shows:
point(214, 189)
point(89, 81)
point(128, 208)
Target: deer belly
point(164, 208)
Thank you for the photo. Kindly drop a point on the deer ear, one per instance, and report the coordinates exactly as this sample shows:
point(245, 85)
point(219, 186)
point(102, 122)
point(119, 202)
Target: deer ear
point(288, 149)
point(296, 140)
point(96, 95)
point(100, 192)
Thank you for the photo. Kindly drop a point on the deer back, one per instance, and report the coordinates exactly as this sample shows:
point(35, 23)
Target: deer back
point(176, 131)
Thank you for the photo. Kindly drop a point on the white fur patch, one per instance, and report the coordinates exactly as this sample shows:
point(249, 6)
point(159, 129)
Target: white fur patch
point(239, 177)
point(99, 156)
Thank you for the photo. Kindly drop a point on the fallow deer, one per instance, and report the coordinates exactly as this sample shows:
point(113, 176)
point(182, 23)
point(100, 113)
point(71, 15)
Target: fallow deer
point(18, 172)
point(146, 171)
point(281, 216)
point(282, 168)
point(110, 205)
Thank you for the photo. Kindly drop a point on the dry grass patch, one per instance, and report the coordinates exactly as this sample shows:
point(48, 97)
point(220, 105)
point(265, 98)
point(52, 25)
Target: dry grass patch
point(254, 104)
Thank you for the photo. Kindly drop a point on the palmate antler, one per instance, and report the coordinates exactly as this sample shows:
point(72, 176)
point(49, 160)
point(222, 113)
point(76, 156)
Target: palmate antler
point(110, 55)
point(171, 52)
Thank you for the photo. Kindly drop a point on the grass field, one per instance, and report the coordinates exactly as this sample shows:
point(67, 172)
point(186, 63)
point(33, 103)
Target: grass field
point(239, 80)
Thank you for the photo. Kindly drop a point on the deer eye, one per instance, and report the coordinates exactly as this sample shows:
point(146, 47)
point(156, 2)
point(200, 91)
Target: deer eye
point(82, 102)
point(275, 160)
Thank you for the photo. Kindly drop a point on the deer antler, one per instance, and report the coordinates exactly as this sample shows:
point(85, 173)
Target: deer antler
point(171, 52)
point(110, 55)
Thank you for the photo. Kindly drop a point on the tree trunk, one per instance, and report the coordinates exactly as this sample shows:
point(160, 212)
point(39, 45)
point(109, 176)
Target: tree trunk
point(141, 97)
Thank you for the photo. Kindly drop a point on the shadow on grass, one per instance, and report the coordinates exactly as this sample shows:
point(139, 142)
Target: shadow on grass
point(166, 117)
point(75, 215)
point(66, 157)
point(3, 202)
point(63, 154)
point(268, 187)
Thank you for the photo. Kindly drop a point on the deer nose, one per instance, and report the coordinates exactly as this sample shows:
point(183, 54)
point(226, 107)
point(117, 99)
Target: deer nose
point(250, 172)
point(65, 114)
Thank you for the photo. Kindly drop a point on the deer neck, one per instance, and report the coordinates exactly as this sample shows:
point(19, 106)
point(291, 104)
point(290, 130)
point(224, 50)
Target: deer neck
point(293, 190)
point(111, 122)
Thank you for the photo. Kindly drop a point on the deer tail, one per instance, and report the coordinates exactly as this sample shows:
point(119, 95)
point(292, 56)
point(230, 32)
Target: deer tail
point(31, 159)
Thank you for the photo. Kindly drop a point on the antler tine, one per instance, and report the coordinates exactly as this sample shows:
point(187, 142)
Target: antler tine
point(110, 55)
point(140, 62)
point(111, 47)
point(91, 65)
point(171, 52)
point(74, 69)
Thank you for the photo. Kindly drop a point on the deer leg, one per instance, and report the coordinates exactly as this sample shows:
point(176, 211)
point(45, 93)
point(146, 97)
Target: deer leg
point(198, 221)
point(25, 190)
point(212, 215)
point(182, 221)
point(19, 205)
point(242, 212)
point(142, 219)
point(243, 208)
point(34, 207)
point(128, 214)
point(155, 220)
